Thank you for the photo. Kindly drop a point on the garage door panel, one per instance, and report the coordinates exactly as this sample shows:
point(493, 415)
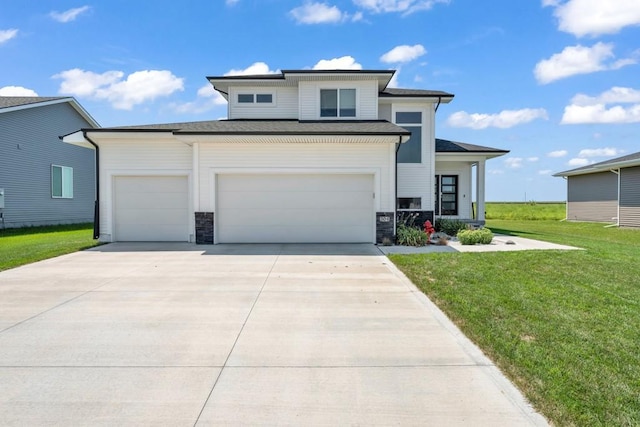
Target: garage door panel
point(295, 199)
point(295, 208)
point(151, 208)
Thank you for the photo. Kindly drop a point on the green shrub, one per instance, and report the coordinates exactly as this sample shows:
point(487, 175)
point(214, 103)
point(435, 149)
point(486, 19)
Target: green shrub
point(484, 236)
point(450, 226)
point(411, 236)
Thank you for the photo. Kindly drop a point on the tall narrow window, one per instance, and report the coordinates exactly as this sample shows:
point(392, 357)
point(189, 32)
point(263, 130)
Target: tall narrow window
point(337, 103)
point(61, 182)
point(410, 151)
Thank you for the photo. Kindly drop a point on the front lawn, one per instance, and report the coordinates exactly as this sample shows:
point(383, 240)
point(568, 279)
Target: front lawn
point(19, 246)
point(564, 326)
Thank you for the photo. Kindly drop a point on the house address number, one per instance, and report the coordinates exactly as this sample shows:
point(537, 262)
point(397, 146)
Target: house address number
point(384, 219)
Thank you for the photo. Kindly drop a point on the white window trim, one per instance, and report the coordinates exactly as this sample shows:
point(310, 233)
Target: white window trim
point(255, 102)
point(334, 87)
point(64, 177)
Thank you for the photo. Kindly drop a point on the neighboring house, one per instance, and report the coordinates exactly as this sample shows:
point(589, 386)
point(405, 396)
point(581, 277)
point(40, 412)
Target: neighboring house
point(608, 191)
point(305, 156)
point(44, 180)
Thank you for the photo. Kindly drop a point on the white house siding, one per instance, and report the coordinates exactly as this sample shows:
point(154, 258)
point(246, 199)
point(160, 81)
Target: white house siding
point(135, 157)
point(312, 158)
point(465, 186)
point(366, 98)
point(630, 197)
point(285, 104)
point(592, 197)
point(417, 179)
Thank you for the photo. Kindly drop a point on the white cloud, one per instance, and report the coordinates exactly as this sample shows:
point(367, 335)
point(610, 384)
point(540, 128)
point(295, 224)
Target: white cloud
point(17, 91)
point(504, 119)
point(495, 171)
point(253, 69)
point(123, 94)
point(558, 153)
point(513, 162)
point(405, 7)
point(342, 63)
point(595, 17)
point(318, 13)
point(68, 15)
point(577, 162)
point(6, 35)
point(207, 99)
point(533, 159)
point(596, 109)
point(598, 152)
point(403, 53)
point(544, 172)
point(579, 59)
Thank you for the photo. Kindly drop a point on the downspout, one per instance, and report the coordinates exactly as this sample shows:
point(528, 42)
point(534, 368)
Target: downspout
point(617, 224)
point(438, 104)
point(96, 205)
point(395, 201)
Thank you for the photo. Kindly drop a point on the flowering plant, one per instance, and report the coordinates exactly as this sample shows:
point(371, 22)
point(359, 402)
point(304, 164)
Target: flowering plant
point(428, 229)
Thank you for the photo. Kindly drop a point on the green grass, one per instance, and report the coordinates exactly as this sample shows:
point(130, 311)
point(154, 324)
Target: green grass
point(525, 211)
point(563, 325)
point(19, 246)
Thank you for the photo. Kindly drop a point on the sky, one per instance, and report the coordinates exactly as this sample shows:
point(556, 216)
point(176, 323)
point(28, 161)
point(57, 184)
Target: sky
point(556, 82)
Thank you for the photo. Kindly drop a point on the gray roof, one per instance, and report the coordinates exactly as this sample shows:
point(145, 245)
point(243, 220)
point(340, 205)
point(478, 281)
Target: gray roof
point(413, 93)
point(628, 161)
point(446, 146)
point(271, 127)
point(16, 101)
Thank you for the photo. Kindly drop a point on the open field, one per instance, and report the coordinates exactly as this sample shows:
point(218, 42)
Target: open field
point(563, 325)
point(525, 211)
point(19, 246)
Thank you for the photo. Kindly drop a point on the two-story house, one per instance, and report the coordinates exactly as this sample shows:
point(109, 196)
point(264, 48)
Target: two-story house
point(304, 156)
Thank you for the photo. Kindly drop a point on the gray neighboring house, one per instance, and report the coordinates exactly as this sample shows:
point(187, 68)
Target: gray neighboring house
point(43, 180)
point(608, 191)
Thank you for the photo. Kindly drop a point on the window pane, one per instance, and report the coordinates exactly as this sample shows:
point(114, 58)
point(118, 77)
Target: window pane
point(409, 203)
point(347, 102)
point(448, 189)
point(412, 117)
point(328, 103)
point(56, 181)
point(411, 151)
point(264, 98)
point(67, 182)
point(245, 98)
point(448, 180)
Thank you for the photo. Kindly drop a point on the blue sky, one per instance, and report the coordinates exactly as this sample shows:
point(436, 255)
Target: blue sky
point(556, 82)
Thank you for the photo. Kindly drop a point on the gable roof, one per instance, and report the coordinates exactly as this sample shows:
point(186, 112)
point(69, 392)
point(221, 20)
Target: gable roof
point(626, 161)
point(15, 103)
point(446, 146)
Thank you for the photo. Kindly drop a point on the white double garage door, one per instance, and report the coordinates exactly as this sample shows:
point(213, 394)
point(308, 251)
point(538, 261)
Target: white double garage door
point(251, 208)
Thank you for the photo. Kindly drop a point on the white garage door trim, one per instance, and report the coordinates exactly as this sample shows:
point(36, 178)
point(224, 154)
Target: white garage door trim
point(249, 209)
point(150, 208)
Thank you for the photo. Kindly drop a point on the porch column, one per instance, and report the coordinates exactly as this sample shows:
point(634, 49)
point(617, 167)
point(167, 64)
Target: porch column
point(480, 190)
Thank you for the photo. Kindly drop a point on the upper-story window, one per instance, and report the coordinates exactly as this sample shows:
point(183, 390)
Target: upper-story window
point(255, 98)
point(410, 151)
point(337, 102)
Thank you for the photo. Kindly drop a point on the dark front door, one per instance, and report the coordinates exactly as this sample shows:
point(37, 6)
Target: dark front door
point(446, 195)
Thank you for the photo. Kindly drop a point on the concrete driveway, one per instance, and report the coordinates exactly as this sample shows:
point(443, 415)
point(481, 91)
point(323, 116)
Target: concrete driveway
point(182, 335)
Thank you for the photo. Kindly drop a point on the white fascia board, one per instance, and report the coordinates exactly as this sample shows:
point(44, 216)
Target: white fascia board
point(466, 157)
point(414, 100)
point(77, 138)
point(339, 139)
point(76, 106)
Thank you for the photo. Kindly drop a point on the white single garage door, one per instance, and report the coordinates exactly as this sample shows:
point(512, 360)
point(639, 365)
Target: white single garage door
point(301, 208)
point(151, 208)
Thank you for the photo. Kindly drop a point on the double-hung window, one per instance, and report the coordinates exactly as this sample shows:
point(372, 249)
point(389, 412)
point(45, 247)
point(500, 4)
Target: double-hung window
point(337, 103)
point(61, 182)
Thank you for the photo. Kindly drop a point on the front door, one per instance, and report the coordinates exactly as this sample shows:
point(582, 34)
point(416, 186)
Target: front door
point(446, 195)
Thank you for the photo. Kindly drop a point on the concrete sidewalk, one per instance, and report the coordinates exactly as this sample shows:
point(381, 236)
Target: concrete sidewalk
point(178, 334)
